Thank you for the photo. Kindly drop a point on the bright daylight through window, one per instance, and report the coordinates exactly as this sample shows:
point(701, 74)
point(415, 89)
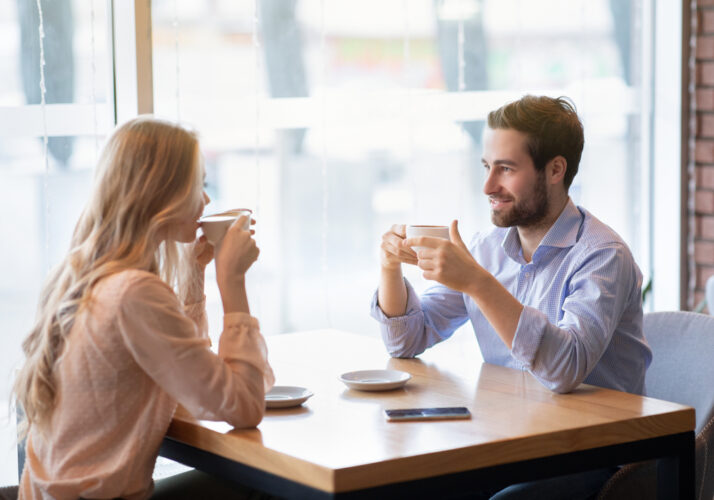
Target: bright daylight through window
point(331, 120)
point(334, 120)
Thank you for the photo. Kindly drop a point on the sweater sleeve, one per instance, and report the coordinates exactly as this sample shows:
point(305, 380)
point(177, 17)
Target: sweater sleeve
point(168, 345)
point(197, 312)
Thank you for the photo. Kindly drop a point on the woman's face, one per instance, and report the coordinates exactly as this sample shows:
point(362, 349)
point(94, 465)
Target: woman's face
point(184, 231)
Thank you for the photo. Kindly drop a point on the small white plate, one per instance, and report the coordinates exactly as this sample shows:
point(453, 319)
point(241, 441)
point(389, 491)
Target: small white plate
point(285, 396)
point(375, 380)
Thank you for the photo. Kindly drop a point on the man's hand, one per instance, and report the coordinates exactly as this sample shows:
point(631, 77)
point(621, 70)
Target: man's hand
point(450, 263)
point(393, 253)
point(447, 261)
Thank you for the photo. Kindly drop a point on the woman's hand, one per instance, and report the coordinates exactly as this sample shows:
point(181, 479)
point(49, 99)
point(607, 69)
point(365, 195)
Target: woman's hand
point(202, 252)
point(235, 254)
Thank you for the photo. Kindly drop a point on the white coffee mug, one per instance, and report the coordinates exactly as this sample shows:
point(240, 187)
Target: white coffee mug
point(214, 226)
point(433, 231)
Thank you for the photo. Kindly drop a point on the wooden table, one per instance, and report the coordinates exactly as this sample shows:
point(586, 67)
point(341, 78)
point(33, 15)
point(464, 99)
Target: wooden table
point(339, 445)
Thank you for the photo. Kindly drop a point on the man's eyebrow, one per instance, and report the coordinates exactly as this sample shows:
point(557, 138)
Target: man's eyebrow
point(500, 162)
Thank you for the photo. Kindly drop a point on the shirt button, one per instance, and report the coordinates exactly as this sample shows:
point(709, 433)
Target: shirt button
point(528, 275)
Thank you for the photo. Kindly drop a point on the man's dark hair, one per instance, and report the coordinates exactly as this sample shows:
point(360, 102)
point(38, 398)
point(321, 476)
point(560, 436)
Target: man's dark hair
point(552, 127)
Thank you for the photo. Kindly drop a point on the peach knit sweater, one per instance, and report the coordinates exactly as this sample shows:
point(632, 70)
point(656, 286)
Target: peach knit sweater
point(133, 353)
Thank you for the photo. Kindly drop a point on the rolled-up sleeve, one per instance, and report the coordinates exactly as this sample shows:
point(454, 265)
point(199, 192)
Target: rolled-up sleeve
point(427, 321)
point(168, 346)
point(562, 355)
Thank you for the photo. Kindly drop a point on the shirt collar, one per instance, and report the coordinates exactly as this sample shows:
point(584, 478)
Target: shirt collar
point(562, 234)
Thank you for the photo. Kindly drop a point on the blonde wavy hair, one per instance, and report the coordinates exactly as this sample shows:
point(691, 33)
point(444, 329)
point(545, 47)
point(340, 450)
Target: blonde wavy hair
point(148, 176)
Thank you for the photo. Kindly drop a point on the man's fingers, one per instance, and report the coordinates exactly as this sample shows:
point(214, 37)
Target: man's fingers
point(426, 264)
point(430, 275)
point(400, 230)
point(405, 255)
point(418, 241)
point(397, 247)
point(454, 235)
point(389, 247)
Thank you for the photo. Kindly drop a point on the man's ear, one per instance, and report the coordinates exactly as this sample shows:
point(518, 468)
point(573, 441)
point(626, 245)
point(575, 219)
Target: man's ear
point(556, 169)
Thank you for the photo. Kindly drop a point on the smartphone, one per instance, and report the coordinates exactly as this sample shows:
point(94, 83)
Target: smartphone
point(427, 413)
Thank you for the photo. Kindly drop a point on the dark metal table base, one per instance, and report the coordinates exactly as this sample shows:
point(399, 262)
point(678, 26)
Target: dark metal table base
point(675, 471)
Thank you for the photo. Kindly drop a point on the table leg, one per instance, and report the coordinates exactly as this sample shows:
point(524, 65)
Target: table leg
point(675, 473)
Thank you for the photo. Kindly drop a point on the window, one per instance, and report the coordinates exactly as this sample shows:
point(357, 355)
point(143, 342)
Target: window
point(334, 120)
point(41, 195)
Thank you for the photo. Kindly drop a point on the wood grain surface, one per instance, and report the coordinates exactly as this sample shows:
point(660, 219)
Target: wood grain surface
point(339, 439)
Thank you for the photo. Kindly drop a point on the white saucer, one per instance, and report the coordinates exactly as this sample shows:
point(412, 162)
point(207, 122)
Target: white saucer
point(375, 380)
point(285, 396)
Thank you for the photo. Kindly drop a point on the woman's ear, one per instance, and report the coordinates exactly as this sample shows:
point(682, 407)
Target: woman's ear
point(556, 169)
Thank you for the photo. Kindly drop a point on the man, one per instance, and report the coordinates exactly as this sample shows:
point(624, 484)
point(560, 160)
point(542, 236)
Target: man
point(550, 289)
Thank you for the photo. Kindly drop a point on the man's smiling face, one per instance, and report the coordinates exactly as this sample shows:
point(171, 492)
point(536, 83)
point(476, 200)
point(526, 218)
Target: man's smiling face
point(517, 193)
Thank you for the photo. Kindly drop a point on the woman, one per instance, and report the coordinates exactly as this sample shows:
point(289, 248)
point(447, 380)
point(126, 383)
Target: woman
point(121, 332)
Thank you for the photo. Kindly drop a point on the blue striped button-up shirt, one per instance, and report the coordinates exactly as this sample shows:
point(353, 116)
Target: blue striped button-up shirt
point(582, 315)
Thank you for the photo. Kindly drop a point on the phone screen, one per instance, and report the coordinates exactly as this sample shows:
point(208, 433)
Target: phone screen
point(427, 413)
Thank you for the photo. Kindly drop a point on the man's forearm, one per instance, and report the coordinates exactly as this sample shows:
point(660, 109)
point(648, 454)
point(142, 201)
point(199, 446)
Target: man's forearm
point(392, 294)
point(501, 309)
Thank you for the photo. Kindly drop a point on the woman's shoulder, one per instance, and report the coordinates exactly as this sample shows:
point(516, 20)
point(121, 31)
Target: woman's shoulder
point(133, 283)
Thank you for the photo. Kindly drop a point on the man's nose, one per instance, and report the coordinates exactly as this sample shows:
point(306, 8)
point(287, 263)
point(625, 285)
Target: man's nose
point(490, 185)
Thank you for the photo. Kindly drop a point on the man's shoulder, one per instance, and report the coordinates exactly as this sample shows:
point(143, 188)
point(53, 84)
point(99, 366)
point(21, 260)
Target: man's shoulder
point(601, 245)
point(599, 242)
point(594, 233)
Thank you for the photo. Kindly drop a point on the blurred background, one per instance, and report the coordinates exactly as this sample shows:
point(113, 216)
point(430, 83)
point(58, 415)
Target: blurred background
point(332, 120)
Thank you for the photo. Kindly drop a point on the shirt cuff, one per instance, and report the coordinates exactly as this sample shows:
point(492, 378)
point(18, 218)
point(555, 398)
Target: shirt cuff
point(395, 329)
point(239, 319)
point(529, 334)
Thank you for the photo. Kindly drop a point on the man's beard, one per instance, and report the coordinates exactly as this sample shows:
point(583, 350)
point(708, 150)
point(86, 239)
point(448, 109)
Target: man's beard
point(526, 212)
